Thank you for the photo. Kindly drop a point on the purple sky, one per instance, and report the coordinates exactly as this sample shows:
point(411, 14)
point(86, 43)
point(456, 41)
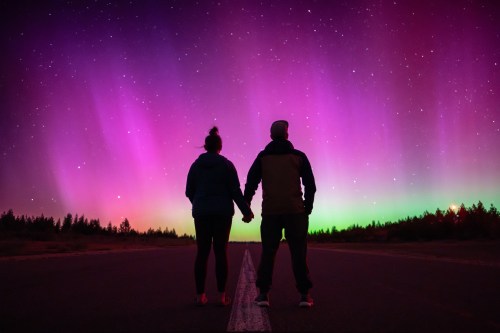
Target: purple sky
point(105, 104)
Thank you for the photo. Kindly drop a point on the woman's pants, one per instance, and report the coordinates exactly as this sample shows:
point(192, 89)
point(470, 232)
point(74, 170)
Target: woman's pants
point(211, 229)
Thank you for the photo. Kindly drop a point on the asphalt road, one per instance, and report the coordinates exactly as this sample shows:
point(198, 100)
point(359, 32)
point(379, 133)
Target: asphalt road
point(153, 291)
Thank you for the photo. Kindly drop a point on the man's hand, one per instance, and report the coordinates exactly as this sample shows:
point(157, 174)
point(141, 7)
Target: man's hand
point(247, 218)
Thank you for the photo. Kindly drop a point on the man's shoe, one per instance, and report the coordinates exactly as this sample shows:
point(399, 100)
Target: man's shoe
point(262, 300)
point(306, 301)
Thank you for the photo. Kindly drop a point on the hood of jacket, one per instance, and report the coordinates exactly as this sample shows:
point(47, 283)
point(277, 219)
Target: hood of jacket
point(279, 146)
point(210, 160)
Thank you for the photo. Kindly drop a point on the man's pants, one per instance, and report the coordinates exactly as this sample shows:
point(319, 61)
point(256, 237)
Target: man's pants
point(296, 227)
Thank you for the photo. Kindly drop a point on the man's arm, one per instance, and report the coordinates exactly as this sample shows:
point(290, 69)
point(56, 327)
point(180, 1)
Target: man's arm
point(253, 179)
point(309, 184)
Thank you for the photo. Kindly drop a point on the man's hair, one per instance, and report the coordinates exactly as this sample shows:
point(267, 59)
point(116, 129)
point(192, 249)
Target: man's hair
point(279, 130)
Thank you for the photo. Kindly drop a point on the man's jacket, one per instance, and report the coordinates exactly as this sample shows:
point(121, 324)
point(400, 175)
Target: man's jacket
point(280, 167)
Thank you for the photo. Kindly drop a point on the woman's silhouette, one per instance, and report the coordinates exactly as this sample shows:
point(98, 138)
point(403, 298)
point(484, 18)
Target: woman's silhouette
point(212, 186)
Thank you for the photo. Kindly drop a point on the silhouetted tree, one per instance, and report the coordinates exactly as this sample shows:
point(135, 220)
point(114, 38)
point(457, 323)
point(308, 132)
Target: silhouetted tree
point(57, 227)
point(125, 227)
point(95, 227)
point(110, 230)
point(8, 221)
point(67, 222)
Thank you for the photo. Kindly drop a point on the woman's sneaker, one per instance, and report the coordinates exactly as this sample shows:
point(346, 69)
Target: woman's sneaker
point(225, 301)
point(201, 299)
point(306, 301)
point(262, 300)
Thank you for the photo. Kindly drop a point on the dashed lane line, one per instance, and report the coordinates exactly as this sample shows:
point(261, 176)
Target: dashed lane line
point(245, 314)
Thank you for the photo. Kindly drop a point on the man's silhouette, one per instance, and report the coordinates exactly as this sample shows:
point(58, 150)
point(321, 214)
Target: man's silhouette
point(280, 167)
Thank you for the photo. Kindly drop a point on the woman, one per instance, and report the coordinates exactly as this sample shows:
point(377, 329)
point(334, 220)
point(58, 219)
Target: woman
point(212, 186)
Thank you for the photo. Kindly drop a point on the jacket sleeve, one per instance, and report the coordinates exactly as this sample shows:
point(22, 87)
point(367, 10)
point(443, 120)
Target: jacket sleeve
point(191, 184)
point(253, 179)
point(309, 184)
point(236, 194)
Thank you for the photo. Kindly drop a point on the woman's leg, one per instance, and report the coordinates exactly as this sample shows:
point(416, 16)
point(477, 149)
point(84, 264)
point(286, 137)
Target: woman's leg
point(203, 243)
point(222, 229)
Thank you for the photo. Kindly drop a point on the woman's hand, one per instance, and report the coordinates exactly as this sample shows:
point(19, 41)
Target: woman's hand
point(248, 218)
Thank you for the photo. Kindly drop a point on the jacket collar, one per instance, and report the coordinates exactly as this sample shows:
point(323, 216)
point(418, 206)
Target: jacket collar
point(279, 146)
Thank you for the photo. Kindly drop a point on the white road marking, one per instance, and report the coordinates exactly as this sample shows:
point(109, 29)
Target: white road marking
point(245, 314)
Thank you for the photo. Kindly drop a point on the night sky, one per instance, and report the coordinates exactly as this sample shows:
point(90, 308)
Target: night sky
point(105, 104)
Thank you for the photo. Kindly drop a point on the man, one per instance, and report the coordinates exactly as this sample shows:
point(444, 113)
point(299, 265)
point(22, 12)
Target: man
point(280, 167)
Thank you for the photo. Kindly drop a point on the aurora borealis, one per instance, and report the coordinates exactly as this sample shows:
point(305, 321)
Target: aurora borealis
point(105, 104)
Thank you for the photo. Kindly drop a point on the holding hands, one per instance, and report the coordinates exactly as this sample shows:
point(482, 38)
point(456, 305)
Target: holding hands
point(247, 218)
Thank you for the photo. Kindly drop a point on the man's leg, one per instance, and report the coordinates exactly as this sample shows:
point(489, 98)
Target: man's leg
point(296, 228)
point(271, 233)
point(222, 228)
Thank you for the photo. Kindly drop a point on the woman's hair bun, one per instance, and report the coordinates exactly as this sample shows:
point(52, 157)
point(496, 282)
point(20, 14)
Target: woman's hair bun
point(213, 142)
point(214, 131)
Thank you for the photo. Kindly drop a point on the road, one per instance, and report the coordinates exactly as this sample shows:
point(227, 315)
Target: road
point(153, 291)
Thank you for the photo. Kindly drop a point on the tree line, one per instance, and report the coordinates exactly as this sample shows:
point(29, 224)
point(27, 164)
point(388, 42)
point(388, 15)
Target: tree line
point(462, 224)
point(42, 227)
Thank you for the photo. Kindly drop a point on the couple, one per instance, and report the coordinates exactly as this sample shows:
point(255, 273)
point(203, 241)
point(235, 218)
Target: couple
point(213, 185)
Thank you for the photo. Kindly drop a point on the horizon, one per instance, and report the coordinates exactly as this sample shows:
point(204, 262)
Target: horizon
point(106, 105)
point(453, 208)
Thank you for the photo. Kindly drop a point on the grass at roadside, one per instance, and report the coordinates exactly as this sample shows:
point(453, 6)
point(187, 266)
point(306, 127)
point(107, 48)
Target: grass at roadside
point(26, 247)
